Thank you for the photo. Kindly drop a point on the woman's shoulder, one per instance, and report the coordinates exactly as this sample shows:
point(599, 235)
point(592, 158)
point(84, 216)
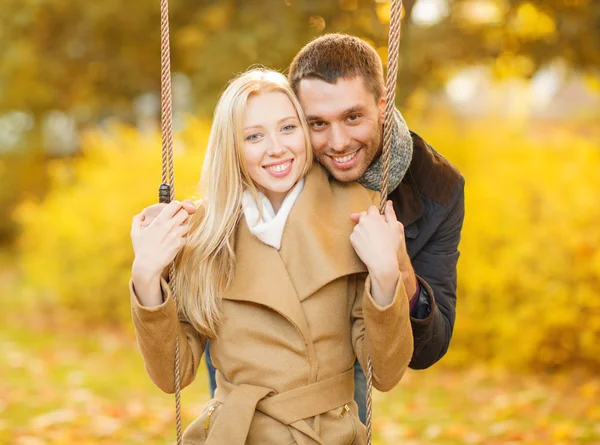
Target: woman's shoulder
point(352, 191)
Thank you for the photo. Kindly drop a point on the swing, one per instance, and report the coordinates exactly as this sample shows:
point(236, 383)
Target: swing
point(166, 191)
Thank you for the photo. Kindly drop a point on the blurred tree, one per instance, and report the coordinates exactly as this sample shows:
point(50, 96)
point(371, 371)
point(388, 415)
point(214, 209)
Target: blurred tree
point(87, 62)
point(75, 250)
point(515, 37)
point(92, 60)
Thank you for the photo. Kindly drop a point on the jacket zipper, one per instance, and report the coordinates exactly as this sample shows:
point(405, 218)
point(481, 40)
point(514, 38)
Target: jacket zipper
point(354, 431)
point(345, 410)
point(211, 410)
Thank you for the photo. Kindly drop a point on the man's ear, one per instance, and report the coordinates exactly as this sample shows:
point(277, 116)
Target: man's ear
point(381, 103)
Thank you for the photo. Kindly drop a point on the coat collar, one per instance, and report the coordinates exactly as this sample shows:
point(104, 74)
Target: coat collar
point(316, 243)
point(407, 200)
point(315, 248)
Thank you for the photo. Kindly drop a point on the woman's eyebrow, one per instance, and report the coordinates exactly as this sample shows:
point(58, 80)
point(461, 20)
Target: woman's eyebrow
point(287, 118)
point(283, 119)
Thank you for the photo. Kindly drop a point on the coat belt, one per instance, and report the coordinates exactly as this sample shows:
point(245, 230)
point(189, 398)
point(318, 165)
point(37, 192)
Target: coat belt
point(239, 402)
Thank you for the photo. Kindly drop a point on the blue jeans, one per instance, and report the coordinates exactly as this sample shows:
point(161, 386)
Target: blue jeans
point(360, 392)
point(360, 384)
point(212, 380)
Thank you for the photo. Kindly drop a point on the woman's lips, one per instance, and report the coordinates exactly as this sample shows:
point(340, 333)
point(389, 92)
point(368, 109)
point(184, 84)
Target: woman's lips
point(281, 169)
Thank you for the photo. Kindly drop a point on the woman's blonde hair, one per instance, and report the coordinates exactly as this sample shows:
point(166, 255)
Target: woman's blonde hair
point(206, 264)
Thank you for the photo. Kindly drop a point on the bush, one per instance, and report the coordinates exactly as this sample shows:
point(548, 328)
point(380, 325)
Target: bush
point(75, 248)
point(529, 272)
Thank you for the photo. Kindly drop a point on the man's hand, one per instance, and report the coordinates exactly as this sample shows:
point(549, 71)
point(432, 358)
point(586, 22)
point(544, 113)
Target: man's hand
point(376, 239)
point(406, 270)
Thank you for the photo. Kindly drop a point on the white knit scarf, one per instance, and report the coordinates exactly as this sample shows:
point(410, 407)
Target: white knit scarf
point(269, 227)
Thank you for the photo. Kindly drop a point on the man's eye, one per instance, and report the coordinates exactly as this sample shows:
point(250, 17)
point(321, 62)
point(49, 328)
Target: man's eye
point(317, 124)
point(353, 117)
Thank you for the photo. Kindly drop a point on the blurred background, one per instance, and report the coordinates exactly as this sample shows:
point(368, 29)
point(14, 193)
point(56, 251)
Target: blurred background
point(507, 90)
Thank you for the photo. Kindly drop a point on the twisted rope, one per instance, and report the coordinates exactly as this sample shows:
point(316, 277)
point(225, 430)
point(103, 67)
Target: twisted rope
point(166, 115)
point(388, 125)
point(390, 97)
point(167, 189)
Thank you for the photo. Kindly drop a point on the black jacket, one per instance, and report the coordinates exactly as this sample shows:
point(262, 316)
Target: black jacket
point(429, 202)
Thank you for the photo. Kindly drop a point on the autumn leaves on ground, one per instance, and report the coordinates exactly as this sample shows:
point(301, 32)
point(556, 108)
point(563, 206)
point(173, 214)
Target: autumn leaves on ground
point(63, 384)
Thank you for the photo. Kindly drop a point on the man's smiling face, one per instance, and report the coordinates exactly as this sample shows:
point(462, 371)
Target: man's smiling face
point(345, 122)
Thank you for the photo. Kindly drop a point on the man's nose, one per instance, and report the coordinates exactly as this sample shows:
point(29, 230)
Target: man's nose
point(339, 139)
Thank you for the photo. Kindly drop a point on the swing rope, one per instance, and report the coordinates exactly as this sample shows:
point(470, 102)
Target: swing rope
point(166, 192)
point(388, 126)
point(167, 189)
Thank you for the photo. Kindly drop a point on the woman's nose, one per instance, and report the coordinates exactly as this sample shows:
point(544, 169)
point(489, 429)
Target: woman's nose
point(276, 148)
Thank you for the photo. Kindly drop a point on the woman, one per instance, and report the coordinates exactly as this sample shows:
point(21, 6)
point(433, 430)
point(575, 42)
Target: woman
point(276, 275)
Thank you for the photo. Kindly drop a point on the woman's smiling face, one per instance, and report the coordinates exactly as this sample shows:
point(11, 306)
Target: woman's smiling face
point(274, 144)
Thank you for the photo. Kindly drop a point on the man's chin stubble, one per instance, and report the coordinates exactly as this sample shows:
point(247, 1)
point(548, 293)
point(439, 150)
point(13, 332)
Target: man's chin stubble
point(347, 175)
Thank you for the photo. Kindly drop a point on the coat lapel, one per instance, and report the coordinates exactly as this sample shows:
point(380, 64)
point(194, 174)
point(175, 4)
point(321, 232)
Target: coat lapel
point(316, 245)
point(407, 200)
point(261, 278)
point(315, 249)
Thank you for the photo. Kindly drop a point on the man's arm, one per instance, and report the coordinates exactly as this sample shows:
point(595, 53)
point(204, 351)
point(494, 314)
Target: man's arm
point(435, 268)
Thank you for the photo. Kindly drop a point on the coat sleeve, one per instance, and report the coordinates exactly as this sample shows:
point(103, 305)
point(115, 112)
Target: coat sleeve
point(157, 329)
point(384, 333)
point(435, 267)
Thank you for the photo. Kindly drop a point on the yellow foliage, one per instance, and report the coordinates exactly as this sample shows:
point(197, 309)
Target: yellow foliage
point(384, 12)
point(529, 273)
point(510, 65)
point(75, 245)
point(532, 23)
point(383, 54)
point(348, 5)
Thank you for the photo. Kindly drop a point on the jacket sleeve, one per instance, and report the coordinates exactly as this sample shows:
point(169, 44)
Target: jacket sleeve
point(435, 267)
point(384, 333)
point(157, 329)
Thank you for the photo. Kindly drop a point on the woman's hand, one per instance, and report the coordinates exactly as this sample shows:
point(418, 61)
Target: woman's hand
point(377, 240)
point(157, 240)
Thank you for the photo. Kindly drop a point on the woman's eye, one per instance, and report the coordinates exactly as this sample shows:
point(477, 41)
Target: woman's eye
point(288, 128)
point(253, 137)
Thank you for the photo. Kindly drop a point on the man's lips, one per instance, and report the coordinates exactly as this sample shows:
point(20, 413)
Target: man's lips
point(346, 160)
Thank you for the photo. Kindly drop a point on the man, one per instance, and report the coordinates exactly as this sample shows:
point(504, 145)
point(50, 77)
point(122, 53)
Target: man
point(339, 80)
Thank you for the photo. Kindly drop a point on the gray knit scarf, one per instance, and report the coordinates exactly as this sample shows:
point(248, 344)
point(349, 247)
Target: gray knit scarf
point(401, 155)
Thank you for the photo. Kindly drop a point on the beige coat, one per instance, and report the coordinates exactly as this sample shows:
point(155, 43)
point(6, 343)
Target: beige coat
point(294, 322)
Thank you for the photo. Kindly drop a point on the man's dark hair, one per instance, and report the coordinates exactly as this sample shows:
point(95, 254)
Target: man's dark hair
point(335, 56)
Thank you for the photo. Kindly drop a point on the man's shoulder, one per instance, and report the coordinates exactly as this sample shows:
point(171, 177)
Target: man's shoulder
point(434, 175)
